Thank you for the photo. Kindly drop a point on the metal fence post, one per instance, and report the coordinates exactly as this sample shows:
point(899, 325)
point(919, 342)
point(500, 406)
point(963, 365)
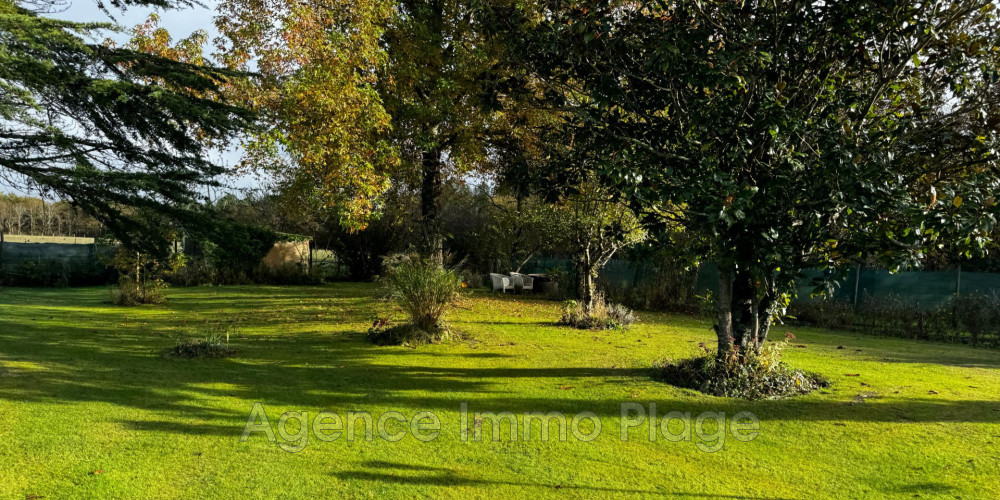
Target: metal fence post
point(958, 292)
point(857, 281)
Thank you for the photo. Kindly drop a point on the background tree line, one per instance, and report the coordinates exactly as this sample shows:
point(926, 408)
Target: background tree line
point(35, 216)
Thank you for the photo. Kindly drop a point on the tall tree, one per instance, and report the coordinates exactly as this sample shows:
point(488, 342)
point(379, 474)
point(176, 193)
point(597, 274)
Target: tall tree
point(784, 134)
point(364, 92)
point(114, 130)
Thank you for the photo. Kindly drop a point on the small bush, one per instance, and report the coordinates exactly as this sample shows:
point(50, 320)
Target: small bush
point(705, 305)
point(425, 292)
point(141, 276)
point(128, 292)
point(214, 346)
point(620, 317)
point(38, 273)
point(602, 316)
point(760, 376)
point(382, 333)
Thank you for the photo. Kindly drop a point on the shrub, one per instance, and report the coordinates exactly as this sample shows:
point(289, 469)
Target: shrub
point(195, 272)
point(706, 305)
point(38, 273)
point(214, 346)
point(425, 292)
point(834, 314)
point(978, 316)
point(620, 317)
point(141, 276)
point(759, 376)
point(602, 316)
point(129, 292)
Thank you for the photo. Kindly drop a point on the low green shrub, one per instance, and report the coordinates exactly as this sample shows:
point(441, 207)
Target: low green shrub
point(473, 279)
point(756, 376)
point(214, 346)
point(195, 272)
point(141, 276)
point(129, 292)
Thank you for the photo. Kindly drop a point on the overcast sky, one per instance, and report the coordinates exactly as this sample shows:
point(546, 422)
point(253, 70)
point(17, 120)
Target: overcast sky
point(180, 23)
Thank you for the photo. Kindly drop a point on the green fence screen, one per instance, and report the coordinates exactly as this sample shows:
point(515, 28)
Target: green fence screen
point(923, 289)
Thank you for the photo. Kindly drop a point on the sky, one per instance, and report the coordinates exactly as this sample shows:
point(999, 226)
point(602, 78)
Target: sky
point(180, 23)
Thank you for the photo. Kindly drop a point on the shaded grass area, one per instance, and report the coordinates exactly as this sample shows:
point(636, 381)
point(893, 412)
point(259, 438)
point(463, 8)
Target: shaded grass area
point(84, 388)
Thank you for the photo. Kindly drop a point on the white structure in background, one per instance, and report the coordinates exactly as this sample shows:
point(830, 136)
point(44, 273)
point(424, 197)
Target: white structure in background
point(523, 281)
point(501, 282)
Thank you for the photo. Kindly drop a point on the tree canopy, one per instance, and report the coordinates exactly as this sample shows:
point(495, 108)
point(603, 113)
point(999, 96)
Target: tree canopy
point(785, 135)
point(117, 131)
point(358, 95)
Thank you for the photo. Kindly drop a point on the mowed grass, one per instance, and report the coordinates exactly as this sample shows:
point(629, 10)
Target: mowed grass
point(90, 408)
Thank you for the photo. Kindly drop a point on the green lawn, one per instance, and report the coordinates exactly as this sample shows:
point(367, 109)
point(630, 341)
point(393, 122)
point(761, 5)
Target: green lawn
point(89, 408)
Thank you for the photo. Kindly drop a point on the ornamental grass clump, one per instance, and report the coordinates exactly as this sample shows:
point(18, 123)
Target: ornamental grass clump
point(425, 291)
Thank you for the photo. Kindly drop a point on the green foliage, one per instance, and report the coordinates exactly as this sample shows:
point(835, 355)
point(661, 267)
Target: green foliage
point(761, 375)
point(706, 304)
point(660, 283)
point(141, 276)
point(424, 291)
point(323, 133)
point(128, 292)
point(355, 95)
point(406, 334)
point(213, 346)
point(972, 319)
point(596, 228)
point(782, 135)
point(118, 131)
point(500, 233)
point(235, 250)
point(37, 273)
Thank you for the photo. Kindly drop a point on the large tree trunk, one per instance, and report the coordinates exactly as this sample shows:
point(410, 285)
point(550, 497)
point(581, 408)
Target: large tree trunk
point(430, 206)
point(744, 317)
point(724, 312)
point(743, 311)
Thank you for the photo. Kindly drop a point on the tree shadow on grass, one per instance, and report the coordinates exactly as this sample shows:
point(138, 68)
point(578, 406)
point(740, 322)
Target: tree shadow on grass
point(69, 360)
point(384, 472)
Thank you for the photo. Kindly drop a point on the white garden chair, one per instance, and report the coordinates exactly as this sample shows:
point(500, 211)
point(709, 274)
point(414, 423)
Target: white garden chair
point(526, 282)
point(501, 282)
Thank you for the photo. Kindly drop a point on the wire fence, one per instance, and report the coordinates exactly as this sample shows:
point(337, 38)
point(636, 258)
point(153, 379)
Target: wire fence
point(925, 290)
